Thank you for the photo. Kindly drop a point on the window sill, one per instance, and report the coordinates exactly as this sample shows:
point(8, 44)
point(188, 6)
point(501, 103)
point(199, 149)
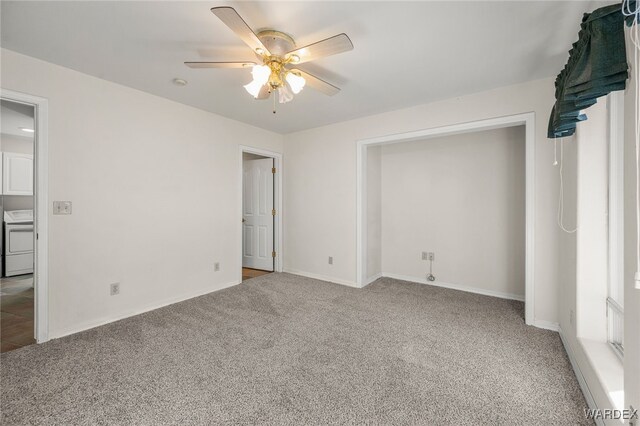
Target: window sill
point(608, 368)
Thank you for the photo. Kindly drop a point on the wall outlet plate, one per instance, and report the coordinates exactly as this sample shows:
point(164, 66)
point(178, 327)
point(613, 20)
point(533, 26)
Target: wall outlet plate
point(114, 289)
point(330, 260)
point(62, 207)
point(425, 255)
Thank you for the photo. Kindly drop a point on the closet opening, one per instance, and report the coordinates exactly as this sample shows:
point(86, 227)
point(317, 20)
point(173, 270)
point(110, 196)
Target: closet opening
point(454, 204)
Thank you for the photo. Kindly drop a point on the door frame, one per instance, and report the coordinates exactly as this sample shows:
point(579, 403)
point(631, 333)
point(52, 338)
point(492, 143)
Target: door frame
point(277, 203)
point(526, 119)
point(41, 202)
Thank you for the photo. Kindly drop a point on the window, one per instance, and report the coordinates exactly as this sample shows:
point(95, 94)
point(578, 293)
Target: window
point(615, 288)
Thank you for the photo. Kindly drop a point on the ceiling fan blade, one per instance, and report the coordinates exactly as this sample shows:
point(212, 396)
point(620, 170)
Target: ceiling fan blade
point(327, 47)
point(219, 64)
point(318, 84)
point(234, 21)
point(264, 92)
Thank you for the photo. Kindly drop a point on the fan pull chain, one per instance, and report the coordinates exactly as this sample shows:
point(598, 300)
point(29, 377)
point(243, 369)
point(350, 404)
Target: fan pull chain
point(275, 93)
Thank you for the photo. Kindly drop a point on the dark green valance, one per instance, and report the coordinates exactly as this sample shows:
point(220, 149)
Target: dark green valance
point(597, 66)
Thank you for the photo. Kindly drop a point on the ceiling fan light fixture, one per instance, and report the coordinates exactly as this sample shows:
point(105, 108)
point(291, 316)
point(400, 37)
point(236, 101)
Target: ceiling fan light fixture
point(296, 82)
point(261, 73)
point(276, 51)
point(253, 88)
point(284, 94)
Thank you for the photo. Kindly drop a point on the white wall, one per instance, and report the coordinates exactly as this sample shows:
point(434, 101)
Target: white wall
point(127, 159)
point(17, 202)
point(568, 254)
point(463, 198)
point(320, 185)
point(592, 229)
point(11, 143)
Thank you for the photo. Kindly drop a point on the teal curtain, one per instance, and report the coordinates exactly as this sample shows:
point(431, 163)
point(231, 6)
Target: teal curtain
point(597, 66)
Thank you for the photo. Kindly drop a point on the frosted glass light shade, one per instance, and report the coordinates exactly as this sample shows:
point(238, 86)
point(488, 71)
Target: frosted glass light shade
point(261, 73)
point(284, 94)
point(254, 88)
point(296, 82)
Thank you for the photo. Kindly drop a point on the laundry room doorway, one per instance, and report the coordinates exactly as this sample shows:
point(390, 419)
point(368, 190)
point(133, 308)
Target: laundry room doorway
point(260, 218)
point(23, 295)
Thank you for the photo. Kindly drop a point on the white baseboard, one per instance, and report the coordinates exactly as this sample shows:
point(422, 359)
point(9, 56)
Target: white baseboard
point(373, 278)
point(476, 290)
point(581, 380)
point(547, 325)
point(321, 277)
point(167, 302)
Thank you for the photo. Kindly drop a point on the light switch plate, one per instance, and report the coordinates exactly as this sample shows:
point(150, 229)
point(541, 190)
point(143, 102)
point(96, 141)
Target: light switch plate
point(62, 207)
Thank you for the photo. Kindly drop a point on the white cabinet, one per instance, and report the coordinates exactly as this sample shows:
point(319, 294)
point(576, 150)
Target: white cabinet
point(17, 174)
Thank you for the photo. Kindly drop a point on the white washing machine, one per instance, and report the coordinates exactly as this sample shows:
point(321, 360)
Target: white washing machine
point(18, 242)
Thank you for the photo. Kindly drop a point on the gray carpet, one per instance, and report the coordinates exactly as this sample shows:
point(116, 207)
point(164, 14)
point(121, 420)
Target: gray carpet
point(282, 349)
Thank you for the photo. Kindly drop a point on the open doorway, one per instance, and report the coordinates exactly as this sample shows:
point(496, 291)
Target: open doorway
point(259, 214)
point(17, 285)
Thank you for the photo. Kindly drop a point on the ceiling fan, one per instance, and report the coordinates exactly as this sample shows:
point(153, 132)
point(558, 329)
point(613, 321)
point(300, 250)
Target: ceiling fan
point(278, 56)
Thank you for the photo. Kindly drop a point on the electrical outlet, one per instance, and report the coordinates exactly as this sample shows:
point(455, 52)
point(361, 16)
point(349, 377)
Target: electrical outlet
point(425, 255)
point(431, 256)
point(330, 260)
point(216, 266)
point(62, 207)
point(115, 289)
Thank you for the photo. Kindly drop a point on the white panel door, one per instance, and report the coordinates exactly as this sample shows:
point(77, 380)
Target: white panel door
point(257, 215)
point(17, 174)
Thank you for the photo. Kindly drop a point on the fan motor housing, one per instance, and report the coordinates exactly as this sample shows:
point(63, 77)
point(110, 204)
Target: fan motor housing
point(278, 43)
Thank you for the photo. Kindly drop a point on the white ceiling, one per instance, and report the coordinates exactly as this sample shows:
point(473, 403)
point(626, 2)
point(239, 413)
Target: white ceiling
point(406, 53)
point(14, 117)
